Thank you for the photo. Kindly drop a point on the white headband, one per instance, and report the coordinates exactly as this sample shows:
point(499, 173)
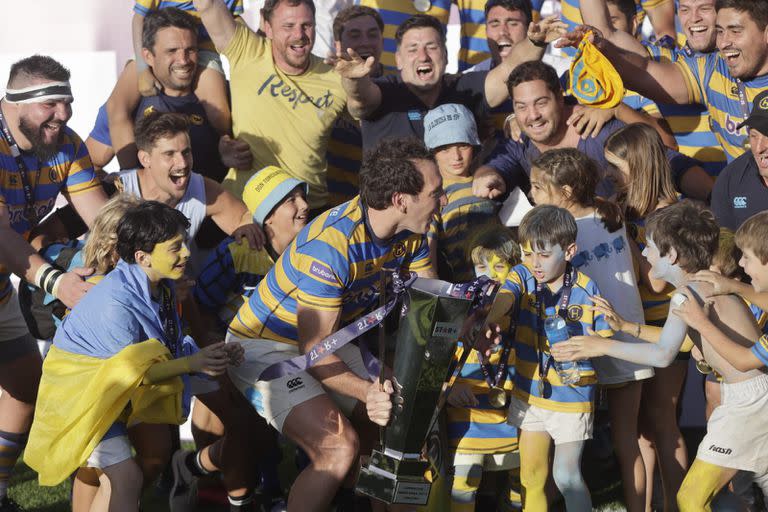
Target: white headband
point(40, 93)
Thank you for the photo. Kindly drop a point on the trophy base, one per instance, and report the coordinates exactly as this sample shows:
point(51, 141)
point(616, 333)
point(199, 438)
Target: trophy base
point(378, 481)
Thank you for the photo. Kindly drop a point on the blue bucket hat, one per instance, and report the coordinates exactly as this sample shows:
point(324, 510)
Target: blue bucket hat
point(450, 124)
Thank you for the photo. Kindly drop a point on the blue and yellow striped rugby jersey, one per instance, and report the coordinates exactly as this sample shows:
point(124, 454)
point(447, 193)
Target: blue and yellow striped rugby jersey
point(581, 317)
point(344, 156)
point(689, 123)
point(760, 349)
point(69, 171)
point(481, 429)
point(474, 47)
point(142, 7)
point(452, 227)
point(334, 263)
point(710, 83)
point(228, 277)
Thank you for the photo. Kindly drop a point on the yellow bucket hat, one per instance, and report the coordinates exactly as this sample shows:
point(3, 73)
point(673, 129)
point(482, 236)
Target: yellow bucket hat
point(594, 80)
point(266, 189)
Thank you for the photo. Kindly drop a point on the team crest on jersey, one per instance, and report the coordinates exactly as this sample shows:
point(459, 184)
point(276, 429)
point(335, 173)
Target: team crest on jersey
point(763, 104)
point(575, 313)
point(195, 119)
point(398, 250)
point(149, 110)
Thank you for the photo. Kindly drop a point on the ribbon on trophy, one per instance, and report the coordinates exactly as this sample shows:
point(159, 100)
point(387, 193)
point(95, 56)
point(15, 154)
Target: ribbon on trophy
point(497, 396)
point(474, 290)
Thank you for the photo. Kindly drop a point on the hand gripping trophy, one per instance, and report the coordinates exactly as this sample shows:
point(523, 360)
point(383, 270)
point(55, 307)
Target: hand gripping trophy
point(435, 316)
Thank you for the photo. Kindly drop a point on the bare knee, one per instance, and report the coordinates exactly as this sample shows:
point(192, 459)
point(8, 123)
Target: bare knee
point(340, 454)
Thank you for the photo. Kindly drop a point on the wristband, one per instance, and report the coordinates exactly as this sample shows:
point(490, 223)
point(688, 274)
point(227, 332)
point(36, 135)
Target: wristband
point(47, 278)
point(637, 335)
point(54, 282)
point(539, 44)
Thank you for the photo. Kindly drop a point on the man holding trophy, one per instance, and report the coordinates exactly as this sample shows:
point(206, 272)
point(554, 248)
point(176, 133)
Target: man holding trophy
point(300, 372)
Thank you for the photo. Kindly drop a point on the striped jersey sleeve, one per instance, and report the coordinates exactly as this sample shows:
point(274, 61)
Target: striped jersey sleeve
point(709, 82)
point(689, 123)
point(228, 277)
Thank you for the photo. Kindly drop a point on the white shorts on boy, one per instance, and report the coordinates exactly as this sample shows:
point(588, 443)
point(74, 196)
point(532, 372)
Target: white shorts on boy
point(110, 452)
point(737, 431)
point(562, 427)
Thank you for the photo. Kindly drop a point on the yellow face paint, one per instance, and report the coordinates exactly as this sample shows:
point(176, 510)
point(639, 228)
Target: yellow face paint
point(498, 268)
point(169, 258)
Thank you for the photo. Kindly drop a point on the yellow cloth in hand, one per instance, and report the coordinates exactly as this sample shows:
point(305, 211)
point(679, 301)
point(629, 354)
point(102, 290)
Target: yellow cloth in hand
point(594, 80)
point(80, 397)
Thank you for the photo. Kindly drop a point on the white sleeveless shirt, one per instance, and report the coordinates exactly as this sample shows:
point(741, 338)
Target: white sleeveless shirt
point(192, 205)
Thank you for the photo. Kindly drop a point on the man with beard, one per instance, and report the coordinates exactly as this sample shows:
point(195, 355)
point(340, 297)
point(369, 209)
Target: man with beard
point(689, 123)
point(394, 106)
point(285, 100)
point(725, 81)
point(541, 114)
point(42, 157)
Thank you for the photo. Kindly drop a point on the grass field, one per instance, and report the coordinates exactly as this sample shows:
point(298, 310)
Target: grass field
point(25, 491)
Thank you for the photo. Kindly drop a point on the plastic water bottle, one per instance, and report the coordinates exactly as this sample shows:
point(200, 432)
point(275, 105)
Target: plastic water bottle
point(557, 331)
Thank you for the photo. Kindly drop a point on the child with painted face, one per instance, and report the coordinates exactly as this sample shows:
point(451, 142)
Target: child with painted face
point(541, 406)
point(568, 178)
point(450, 133)
point(682, 238)
point(116, 360)
point(478, 431)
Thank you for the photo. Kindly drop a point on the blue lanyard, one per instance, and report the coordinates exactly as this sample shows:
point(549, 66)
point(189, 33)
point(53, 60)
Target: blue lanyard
point(29, 196)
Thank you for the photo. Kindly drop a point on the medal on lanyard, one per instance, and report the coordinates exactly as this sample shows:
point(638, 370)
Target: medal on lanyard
point(497, 396)
point(422, 5)
point(545, 363)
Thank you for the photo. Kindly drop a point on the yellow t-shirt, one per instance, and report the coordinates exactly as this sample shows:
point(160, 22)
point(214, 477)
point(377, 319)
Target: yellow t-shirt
point(286, 119)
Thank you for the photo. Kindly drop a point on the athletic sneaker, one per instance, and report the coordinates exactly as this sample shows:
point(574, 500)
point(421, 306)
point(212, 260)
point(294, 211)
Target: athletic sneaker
point(8, 505)
point(183, 497)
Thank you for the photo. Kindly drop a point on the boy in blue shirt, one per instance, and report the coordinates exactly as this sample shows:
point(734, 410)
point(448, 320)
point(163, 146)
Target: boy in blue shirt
point(116, 360)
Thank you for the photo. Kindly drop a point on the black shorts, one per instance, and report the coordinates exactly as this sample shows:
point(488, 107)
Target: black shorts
point(11, 350)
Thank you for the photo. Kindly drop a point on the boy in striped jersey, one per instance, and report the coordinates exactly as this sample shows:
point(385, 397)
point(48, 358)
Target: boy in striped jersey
point(476, 416)
point(542, 407)
point(451, 134)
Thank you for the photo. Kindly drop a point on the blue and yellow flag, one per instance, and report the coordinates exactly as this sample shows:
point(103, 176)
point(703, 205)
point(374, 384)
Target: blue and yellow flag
point(80, 397)
point(594, 80)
